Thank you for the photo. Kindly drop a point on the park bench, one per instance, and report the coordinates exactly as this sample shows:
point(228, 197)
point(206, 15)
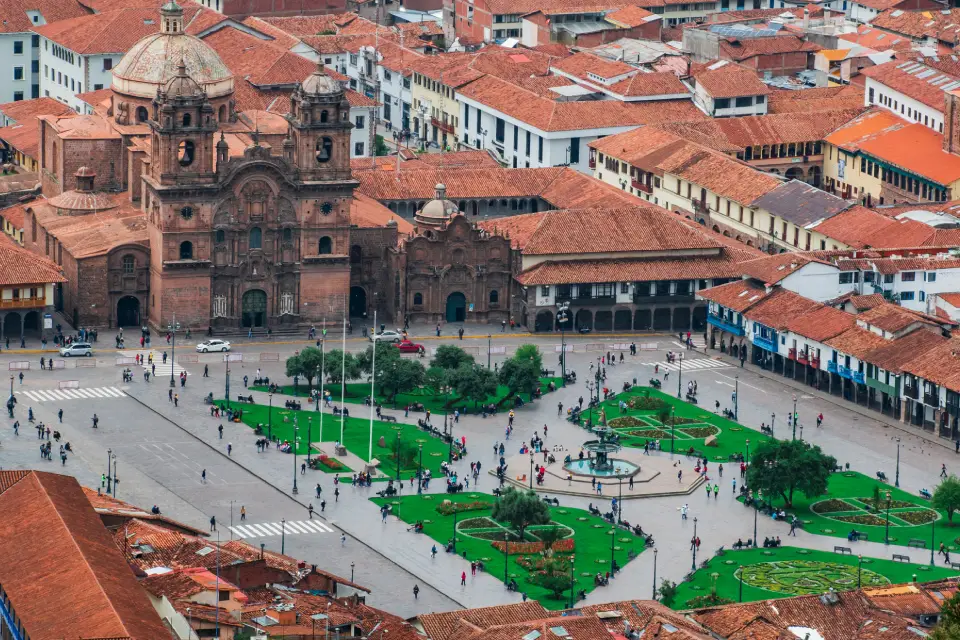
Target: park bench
point(918, 543)
point(955, 566)
point(248, 399)
point(861, 536)
point(548, 373)
point(387, 418)
point(901, 558)
point(847, 550)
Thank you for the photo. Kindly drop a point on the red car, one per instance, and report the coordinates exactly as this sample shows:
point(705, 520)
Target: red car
point(406, 346)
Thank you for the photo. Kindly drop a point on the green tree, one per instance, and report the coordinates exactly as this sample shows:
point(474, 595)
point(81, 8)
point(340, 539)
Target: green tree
point(394, 374)
point(531, 353)
point(550, 536)
point(380, 147)
point(780, 467)
point(667, 592)
point(521, 373)
point(946, 496)
point(294, 366)
point(473, 382)
point(310, 359)
point(435, 379)
point(948, 627)
point(554, 577)
point(664, 413)
point(337, 361)
point(450, 357)
point(520, 509)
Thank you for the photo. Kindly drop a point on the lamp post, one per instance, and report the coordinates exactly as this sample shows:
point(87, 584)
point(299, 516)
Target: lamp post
point(172, 327)
point(115, 478)
point(296, 441)
point(859, 568)
point(896, 481)
point(398, 456)
point(309, 436)
point(563, 316)
point(673, 426)
point(794, 416)
point(351, 571)
point(693, 565)
point(506, 561)
point(573, 583)
point(748, 451)
point(531, 470)
point(226, 384)
point(887, 533)
point(736, 397)
point(489, 343)
point(420, 470)
point(446, 404)
point(613, 539)
point(756, 510)
point(773, 421)
point(620, 498)
point(270, 419)
point(654, 595)
point(109, 457)
point(933, 531)
point(679, 373)
point(454, 529)
point(283, 535)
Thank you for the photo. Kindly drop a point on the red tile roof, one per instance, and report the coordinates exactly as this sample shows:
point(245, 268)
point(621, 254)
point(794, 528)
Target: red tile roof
point(19, 266)
point(815, 100)
point(659, 83)
point(821, 323)
point(16, 19)
point(582, 64)
point(630, 270)
point(902, 76)
point(24, 136)
point(773, 269)
point(940, 365)
point(719, 173)
point(739, 50)
point(443, 626)
point(731, 81)
point(109, 32)
point(918, 25)
point(918, 150)
point(738, 295)
point(780, 308)
point(630, 16)
point(69, 550)
point(367, 213)
point(865, 127)
point(896, 353)
point(893, 318)
point(853, 226)
point(856, 342)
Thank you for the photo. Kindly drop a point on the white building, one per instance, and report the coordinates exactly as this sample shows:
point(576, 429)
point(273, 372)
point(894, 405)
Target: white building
point(912, 89)
point(726, 89)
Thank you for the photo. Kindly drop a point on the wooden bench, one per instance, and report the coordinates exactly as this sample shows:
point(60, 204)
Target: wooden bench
point(384, 417)
point(548, 373)
point(843, 550)
point(861, 536)
point(901, 558)
point(918, 543)
point(955, 566)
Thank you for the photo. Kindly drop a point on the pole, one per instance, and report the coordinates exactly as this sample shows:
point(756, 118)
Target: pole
point(173, 354)
point(489, 341)
point(736, 398)
point(897, 480)
point(115, 480)
point(756, 510)
point(352, 564)
point(887, 533)
point(373, 395)
point(563, 355)
point(226, 390)
point(109, 453)
point(620, 500)
point(740, 575)
point(447, 408)
point(309, 436)
point(506, 561)
point(217, 623)
point(270, 418)
point(794, 417)
point(932, 532)
point(454, 529)
point(679, 373)
point(398, 456)
point(613, 539)
point(859, 568)
point(343, 372)
point(420, 470)
point(531, 471)
point(693, 566)
point(296, 441)
point(283, 536)
point(673, 426)
point(654, 595)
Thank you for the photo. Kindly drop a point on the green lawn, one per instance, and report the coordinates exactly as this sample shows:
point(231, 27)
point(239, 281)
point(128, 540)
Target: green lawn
point(356, 435)
point(789, 571)
point(357, 391)
point(591, 534)
point(843, 508)
point(638, 425)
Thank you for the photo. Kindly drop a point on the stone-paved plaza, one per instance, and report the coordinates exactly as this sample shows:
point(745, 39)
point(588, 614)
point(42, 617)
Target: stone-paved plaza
point(162, 450)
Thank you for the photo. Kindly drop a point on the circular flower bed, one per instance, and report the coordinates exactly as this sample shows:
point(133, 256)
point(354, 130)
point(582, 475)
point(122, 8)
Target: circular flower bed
point(646, 403)
point(918, 516)
point(476, 523)
point(700, 432)
point(865, 519)
point(627, 421)
point(894, 504)
point(650, 434)
point(832, 505)
point(804, 577)
point(447, 508)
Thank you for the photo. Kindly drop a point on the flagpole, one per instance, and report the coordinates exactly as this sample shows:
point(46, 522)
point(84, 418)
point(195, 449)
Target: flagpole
point(343, 376)
point(373, 398)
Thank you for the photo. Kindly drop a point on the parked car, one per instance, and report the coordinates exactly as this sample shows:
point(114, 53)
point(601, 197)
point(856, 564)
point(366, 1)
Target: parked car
point(76, 349)
point(387, 336)
point(406, 346)
point(213, 345)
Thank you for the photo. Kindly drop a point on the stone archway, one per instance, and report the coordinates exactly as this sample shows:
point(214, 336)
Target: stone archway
point(794, 173)
point(583, 319)
point(544, 321)
point(622, 320)
point(456, 307)
point(642, 320)
point(254, 308)
point(128, 311)
point(603, 321)
point(681, 318)
point(12, 325)
point(661, 319)
point(32, 323)
point(358, 302)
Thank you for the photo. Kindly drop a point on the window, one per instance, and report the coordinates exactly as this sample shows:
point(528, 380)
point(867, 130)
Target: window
point(574, 150)
point(324, 116)
point(129, 264)
point(97, 87)
point(35, 66)
point(142, 114)
point(18, 73)
point(907, 295)
point(846, 278)
point(324, 149)
point(358, 148)
point(624, 287)
point(287, 235)
point(888, 278)
point(220, 236)
point(539, 149)
point(326, 245)
point(107, 64)
point(17, 96)
point(35, 40)
point(186, 251)
point(417, 299)
point(186, 120)
point(923, 296)
point(18, 47)
point(185, 153)
point(908, 276)
point(359, 122)
point(744, 102)
point(605, 290)
point(500, 130)
point(528, 144)
point(721, 103)
point(256, 238)
point(494, 297)
point(932, 276)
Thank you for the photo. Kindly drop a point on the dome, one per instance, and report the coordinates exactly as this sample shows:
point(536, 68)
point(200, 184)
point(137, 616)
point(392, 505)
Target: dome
point(438, 211)
point(182, 84)
point(319, 83)
point(153, 61)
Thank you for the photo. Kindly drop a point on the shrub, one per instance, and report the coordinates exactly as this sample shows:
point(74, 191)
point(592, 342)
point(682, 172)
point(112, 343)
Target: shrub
point(527, 548)
point(709, 600)
point(332, 463)
point(646, 403)
point(447, 508)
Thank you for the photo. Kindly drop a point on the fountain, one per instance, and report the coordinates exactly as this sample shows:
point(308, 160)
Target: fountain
point(601, 464)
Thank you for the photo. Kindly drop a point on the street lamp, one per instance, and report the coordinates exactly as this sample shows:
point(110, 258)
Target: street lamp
point(673, 426)
point(455, 510)
point(270, 418)
point(679, 373)
point(573, 582)
point(613, 539)
point(489, 342)
point(563, 316)
point(933, 531)
point(896, 481)
point(309, 436)
point(773, 420)
point(420, 470)
point(693, 566)
point(654, 596)
point(283, 535)
point(794, 416)
point(398, 456)
point(620, 499)
point(736, 397)
point(446, 404)
point(887, 534)
point(531, 470)
point(226, 388)
point(859, 568)
point(115, 478)
point(172, 327)
point(351, 571)
point(296, 441)
point(109, 458)
point(748, 451)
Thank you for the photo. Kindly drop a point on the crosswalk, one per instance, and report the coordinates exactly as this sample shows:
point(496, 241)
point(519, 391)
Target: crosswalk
point(289, 528)
point(691, 364)
point(698, 343)
point(163, 370)
point(88, 393)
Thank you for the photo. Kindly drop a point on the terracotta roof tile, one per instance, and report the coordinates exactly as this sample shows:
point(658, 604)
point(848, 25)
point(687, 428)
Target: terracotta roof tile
point(853, 226)
point(630, 16)
point(365, 213)
point(865, 127)
point(738, 50)
point(24, 135)
point(719, 173)
point(940, 365)
point(773, 269)
point(731, 81)
point(659, 83)
point(896, 353)
point(921, 24)
point(902, 76)
point(109, 32)
point(440, 626)
point(780, 308)
point(815, 100)
point(821, 323)
point(17, 20)
point(739, 295)
point(629, 270)
point(892, 317)
point(580, 64)
point(19, 266)
point(856, 342)
point(89, 235)
point(916, 149)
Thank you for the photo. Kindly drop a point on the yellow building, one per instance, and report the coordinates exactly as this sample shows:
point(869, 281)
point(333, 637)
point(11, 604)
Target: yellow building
point(433, 92)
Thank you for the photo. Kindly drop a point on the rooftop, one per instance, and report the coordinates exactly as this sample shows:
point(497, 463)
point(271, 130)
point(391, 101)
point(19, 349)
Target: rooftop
point(800, 203)
point(915, 79)
point(815, 100)
point(552, 272)
point(915, 149)
point(725, 80)
point(738, 50)
point(17, 20)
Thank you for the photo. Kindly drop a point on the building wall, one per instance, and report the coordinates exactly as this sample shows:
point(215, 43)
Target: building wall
point(780, 64)
point(10, 88)
point(244, 8)
point(878, 94)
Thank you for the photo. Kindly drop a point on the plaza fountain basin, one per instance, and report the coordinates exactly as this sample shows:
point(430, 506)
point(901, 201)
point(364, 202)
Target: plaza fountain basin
point(616, 469)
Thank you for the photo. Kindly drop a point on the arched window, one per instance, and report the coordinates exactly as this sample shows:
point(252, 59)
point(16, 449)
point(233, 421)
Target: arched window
point(186, 119)
point(142, 114)
point(326, 245)
point(222, 113)
point(324, 149)
point(288, 235)
point(356, 254)
point(185, 154)
point(324, 116)
point(129, 264)
point(221, 236)
point(494, 297)
point(256, 238)
point(418, 299)
point(186, 251)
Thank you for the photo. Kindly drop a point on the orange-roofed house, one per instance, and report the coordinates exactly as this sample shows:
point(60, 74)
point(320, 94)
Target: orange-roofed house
point(725, 89)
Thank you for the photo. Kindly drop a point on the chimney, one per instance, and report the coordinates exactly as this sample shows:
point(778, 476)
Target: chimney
point(85, 178)
point(806, 18)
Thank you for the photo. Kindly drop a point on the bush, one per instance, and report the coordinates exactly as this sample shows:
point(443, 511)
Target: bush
point(447, 508)
point(646, 403)
point(709, 600)
point(527, 548)
point(332, 463)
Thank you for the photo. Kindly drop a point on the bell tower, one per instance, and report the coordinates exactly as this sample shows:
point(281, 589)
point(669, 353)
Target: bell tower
point(319, 129)
point(182, 130)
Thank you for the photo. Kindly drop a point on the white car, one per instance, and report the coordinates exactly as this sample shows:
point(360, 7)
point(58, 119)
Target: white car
point(388, 336)
point(76, 349)
point(213, 345)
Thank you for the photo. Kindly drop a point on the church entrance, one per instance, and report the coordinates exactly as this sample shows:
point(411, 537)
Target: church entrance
point(456, 307)
point(128, 312)
point(255, 308)
point(358, 302)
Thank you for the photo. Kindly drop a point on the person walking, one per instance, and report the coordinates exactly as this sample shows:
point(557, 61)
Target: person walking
point(170, 395)
point(323, 505)
point(310, 511)
point(220, 431)
point(176, 399)
point(319, 489)
point(203, 476)
point(213, 523)
point(230, 449)
point(416, 591)
point(943, 471)
point(60, 415)
point(206, 371)
point(243, 512)
point(463, 578)
point(336, 494)
point(343, 539)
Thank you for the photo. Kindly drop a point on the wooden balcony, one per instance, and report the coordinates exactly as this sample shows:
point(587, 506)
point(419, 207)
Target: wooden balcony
point(23, 303)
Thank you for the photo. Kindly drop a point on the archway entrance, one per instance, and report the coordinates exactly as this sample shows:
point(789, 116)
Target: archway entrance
point(358, 302)
point(456, 307)
point(254, 308)
point(128, 312)
point(544, 321)
point(12, 327)
point(31, 322)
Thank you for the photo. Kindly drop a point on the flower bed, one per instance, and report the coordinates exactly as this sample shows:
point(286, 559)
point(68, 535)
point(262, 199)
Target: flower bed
point(894, 504)
point(447, 508)
point(700, 432)
point(332, 463)
point(919, 516)
point(476, 523)
point(678, 421)
point(527, 548)
point(831, 506)
point(536, 562)
point(627, 421)
point(650, 434)
point(865, 519)
point(646, 403)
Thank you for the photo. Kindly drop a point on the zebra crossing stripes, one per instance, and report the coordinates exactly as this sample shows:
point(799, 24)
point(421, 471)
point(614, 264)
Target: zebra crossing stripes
point(265, 529)
point(692, 364)
point(59, 395)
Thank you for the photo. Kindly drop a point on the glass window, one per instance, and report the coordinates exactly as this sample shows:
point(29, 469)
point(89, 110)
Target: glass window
point(418, 299)
point(494, 297)
point(129, 264)
point(256, 238)
point(220, 236)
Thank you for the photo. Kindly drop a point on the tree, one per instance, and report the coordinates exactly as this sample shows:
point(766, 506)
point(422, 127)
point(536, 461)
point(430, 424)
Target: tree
point(946, 497)
point(664, 413)
point(549, 537)
point(450, 357)
point(667, 592)
point(310, 359)
point(394, 374)
point(554, 577)
point(520, 509)
point(435, 379)
point(335, 362)
point(473, 382)
point(531, 353)
point(948, 627)
point(294, 366)
point(521, 373)
point(780, 467)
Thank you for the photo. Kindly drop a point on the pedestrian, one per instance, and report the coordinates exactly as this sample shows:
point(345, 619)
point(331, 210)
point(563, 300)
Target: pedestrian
point(170, 395)
point(319, 489)
point(323, 505)
point(793, 527)
point(60, 415)
point(303, 468)
point(229, 449)
point(820, 421)
point(460, 333)
point(343, 539)
point(176, 399)
point(734, 486)
point(743, 469)
point(416, 591)
point(203, 476)
point(943, 471)
point(243, 512)
point(716, 491)
point(336, 494)
point(310, 511)
point(463, 578)
point(473, 568)
point(942, 550)
point(683, 512)
point(220, 431)
point(559, 409)
point(21, 377)
point(679, 475)
point(720, 470)
point(213, 523)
